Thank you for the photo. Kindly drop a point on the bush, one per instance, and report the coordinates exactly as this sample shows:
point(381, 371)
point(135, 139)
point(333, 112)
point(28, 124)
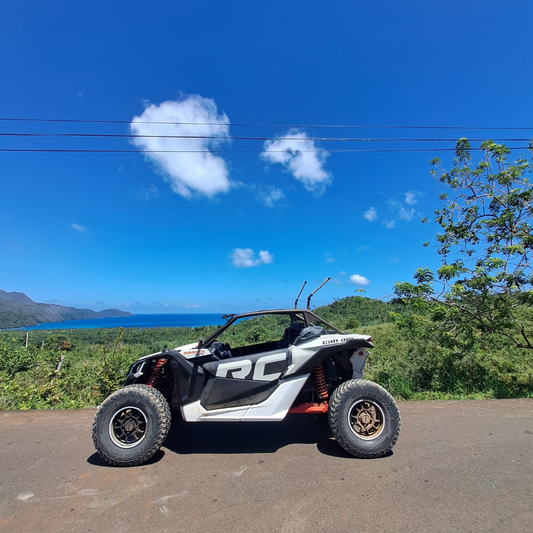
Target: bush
point(413, 368)
point(15, 358)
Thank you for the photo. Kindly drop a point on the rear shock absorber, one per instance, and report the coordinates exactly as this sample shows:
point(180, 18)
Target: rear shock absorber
point(155, 378)
point(320, 382)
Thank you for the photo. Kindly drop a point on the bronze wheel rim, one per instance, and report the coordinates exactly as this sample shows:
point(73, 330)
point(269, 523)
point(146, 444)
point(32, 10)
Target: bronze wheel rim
point(128, 427)
point(366, 419)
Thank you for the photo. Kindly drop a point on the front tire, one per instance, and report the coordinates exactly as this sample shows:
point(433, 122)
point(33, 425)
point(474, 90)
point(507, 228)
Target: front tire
point(364, 418)
point(131, 425)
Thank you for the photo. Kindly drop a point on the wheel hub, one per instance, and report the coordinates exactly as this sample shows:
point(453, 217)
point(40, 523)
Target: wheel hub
point(128, 427)
point(367, 419)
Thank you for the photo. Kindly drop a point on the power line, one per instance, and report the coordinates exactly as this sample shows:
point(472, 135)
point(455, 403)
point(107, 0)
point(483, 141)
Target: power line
point(98, 151)
point(354, 126)
point(340, 139)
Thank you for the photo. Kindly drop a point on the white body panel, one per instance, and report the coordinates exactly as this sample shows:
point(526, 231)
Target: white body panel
point(273, 409)
point(301, 353)
point(358, 360)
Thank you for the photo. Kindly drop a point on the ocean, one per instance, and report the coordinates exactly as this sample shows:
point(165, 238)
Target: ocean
point(139, 321)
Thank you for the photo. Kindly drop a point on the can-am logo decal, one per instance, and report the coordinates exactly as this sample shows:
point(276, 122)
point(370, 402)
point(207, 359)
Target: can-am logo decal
point(196, 352)
point(334, 341)
point(242, 368)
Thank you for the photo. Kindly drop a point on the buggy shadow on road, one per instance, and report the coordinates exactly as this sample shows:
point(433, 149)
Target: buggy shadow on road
point(96, 460)
point(245, 437)
point(252, 437)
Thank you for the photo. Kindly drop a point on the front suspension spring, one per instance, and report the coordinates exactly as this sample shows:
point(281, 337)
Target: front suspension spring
point(320, 382)
point(155, 378)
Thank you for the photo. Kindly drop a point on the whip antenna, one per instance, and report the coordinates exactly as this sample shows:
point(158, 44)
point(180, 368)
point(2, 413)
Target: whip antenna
point(311, 295)
point(297, 297)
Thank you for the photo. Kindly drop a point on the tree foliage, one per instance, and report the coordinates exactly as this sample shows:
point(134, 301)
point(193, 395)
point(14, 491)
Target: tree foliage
point(485, 282)
point(354, 311)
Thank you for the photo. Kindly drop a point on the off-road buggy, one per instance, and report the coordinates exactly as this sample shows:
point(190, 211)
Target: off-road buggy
point(312, 368)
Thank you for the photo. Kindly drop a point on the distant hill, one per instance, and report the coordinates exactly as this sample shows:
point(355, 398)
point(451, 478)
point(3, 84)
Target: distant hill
point(18, 310)
point(354, 311)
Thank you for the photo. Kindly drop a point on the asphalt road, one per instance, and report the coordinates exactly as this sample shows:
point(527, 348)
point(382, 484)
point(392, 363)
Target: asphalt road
point(457, 467)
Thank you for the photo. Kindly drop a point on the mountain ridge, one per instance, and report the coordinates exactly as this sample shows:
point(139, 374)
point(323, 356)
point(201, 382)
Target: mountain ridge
point(19, 310)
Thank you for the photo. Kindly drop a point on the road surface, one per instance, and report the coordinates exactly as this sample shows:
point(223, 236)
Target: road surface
point(457, 467)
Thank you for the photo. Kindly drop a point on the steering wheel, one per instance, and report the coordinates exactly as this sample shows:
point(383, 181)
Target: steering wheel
point(222, 351)
point(225, 352)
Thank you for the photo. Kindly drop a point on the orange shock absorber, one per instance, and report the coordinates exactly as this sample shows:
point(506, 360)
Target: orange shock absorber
point(320, 381)
point(155, 378)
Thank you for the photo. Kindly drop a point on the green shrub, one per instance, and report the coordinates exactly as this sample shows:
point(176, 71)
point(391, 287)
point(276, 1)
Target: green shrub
point(15, 358)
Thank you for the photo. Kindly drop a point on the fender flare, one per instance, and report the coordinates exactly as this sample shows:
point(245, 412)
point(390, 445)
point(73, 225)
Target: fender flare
point(189, 378)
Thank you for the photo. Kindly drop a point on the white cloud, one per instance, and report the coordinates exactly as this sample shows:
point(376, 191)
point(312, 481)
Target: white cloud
point(356, 279)
point(269, 196)
point(411, 197)
point(197, 169)
point(330, 259)
point(406, 214)
point(389, 224)
point(371, 214)
point(362, 249)
point(191, 306)
point(147, 193)
point(301, 158)
point(393, 259)
point(77, 227)
point(245, 258)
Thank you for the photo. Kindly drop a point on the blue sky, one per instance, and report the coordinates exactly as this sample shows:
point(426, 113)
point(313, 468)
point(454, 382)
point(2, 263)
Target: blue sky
point(230, 231)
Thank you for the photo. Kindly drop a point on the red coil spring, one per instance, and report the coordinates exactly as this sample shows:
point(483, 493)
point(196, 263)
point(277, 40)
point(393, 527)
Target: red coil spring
point(320, 382)
point(155, 378)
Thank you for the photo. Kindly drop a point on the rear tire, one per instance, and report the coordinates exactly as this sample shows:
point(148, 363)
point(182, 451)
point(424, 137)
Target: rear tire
point(364, 418)
point(131, 425)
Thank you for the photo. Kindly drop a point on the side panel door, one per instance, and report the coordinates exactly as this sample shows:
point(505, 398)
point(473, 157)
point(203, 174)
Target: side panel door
point(246, 380)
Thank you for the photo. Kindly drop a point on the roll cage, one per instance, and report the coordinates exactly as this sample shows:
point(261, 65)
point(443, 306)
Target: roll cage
point(295, 314)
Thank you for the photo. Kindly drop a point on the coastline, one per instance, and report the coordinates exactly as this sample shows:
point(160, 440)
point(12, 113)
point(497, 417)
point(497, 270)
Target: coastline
point(190, 320)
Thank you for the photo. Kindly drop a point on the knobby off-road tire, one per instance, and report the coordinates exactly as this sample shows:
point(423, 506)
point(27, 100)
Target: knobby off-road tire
point(131, 425)
point(364, 418)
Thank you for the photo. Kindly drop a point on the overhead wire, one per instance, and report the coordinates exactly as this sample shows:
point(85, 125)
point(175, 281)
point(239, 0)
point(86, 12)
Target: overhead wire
point(100, 151)
point(232, 138)
point(295, 137)
point(354, 126)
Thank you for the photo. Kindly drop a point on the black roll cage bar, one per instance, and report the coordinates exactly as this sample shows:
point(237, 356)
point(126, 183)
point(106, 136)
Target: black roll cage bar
point(308, 317)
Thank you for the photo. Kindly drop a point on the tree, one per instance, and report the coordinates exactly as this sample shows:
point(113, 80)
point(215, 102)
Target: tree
point(58, 342)
point(485, 283)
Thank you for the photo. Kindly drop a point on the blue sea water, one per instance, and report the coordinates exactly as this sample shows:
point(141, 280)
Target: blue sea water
point(139, 321)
